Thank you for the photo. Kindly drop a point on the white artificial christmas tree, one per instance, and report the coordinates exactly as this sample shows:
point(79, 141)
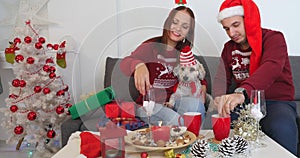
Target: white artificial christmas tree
point(38, 99)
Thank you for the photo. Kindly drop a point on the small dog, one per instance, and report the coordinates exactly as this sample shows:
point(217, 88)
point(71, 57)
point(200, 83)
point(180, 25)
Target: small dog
point(189, 82)
point(189, 73)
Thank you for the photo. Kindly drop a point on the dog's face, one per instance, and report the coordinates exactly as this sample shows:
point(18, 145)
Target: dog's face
point(189, 73)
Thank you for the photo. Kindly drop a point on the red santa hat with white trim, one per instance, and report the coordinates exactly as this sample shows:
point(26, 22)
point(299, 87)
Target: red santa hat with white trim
point(250, 11)
point(186, 57)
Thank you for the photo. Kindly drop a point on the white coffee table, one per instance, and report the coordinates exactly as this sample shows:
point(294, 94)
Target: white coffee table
point(273, 149)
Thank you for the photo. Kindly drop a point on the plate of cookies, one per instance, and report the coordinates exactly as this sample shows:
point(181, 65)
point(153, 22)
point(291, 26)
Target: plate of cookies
point(179, 138)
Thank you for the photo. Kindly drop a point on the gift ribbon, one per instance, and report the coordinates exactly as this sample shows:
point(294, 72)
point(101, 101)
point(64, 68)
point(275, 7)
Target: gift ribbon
point(87, 105)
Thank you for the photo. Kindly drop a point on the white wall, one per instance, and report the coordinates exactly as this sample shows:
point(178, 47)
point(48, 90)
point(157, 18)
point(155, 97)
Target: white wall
point(114, 28)
point(117, 27)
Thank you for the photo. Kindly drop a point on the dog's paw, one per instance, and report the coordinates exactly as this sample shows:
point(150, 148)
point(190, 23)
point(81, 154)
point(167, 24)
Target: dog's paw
point(169, 105)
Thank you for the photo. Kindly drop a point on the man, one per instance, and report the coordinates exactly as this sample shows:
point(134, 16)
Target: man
point(256, 59)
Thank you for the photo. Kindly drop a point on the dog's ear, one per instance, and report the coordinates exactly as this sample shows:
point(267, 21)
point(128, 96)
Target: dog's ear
point(201, 70)
point(176, 70)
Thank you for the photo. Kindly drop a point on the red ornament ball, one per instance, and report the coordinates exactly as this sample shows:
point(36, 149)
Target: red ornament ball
point(37, 89)
point(60, 93)
point(31, 115)
point(22, 83)
point(27, 39)
point(18, 130)
point(66, 88)
point(49, 60)
point(13, 108)
point(38, 45)
point(15, 82)
point(30, 60)
point(13, 96)
point(46, 68)
point(51, 134)
point(46, 90)
point(68, 105)
point(52, 75)
point(144, 155)
point(60, 109)
point(42, 40)
point(52, 69)
point(49, 46)
point(19, 58)
point(55, 46)
point(17, 40)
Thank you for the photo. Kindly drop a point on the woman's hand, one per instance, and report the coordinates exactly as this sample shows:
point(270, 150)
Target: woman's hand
point(141, 78)
point(227, 103)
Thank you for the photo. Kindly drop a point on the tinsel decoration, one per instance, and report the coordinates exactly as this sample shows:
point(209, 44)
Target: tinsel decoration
point(227, 147)
point(245, 125)
point(199, 148)
point(241, 144)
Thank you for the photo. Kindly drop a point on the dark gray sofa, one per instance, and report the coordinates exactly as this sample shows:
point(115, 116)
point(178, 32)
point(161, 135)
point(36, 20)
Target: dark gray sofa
point(125, 90)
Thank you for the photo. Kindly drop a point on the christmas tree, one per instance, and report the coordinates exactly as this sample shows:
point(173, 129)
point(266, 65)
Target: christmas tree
point(38, 98)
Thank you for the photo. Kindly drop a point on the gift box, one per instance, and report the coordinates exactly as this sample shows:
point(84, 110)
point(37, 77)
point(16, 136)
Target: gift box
point(129, 123)
point(93, 102)
point(120, 109)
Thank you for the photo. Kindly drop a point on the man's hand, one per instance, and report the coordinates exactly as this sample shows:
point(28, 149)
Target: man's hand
point(227, 103)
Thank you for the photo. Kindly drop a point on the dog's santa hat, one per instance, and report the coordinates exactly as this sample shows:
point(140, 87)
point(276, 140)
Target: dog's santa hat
point(249, 10)
point(187, 57)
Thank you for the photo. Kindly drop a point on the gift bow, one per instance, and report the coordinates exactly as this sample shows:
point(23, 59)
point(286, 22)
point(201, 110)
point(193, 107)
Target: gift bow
point(180, 1)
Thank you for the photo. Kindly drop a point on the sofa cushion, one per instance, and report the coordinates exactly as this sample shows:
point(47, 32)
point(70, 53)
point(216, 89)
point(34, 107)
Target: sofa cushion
point(207, 63)
point(295, 64)
point(122, 84)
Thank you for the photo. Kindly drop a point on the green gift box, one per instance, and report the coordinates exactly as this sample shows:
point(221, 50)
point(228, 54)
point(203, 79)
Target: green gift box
point(93, 102)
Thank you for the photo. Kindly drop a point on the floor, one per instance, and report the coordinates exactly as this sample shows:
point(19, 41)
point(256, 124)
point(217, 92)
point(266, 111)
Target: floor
point(9, 151)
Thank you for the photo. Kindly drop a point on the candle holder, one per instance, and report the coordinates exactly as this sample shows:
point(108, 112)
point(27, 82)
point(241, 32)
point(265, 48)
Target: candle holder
point(112, 141)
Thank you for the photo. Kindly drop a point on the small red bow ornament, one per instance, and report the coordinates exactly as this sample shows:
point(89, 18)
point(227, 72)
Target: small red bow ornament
point(180, 1)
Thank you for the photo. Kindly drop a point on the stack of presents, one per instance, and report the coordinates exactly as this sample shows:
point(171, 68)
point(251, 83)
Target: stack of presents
point(122, 113)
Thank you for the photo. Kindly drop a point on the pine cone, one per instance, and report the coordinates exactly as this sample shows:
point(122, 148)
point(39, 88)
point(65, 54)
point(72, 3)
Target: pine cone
point(227, 147)
point(199, 149)
point(241, 144)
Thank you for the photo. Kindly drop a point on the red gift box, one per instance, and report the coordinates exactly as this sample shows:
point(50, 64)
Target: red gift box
point(120, 109)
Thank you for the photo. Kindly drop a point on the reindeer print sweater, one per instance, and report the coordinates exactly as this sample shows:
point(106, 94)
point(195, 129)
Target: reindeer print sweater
point(274, 72)
point(160, 66)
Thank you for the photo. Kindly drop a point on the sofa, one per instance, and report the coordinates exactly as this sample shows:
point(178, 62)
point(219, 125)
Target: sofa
point(125, 90)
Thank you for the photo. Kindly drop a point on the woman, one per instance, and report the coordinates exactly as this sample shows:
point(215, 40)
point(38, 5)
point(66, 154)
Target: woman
point(152, 65)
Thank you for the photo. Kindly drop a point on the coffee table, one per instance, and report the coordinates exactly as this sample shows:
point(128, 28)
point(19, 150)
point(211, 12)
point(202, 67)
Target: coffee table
point(273, 149)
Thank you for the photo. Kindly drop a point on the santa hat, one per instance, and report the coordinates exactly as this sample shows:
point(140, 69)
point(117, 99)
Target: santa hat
point(249, 10)
point(90, 145)
point(187, 57)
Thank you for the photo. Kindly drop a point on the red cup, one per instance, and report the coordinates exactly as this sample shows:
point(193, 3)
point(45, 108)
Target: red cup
point(160, 133)
point(192, 120)
point(221, 126)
